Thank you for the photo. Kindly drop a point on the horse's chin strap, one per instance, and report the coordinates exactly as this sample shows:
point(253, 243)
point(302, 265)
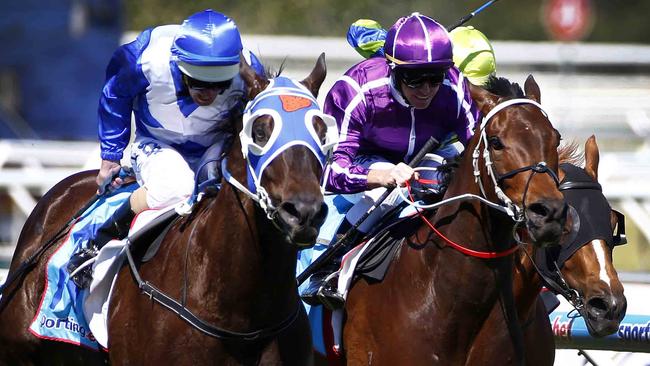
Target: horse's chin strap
point(514, 211)
point(559, 285)
point(262, 197)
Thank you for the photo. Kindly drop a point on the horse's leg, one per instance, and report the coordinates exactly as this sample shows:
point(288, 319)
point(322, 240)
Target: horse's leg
point(21, 298)
point(538, 338)
point(294, 346)
point(492, 343)
point(143, 332)
point(358, 343)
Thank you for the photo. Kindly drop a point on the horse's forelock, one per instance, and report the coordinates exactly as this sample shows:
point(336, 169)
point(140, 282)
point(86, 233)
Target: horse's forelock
point(270, 72)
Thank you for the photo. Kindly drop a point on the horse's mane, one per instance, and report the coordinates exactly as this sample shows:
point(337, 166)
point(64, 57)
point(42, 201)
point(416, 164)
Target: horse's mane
point(570, 153)
point(503, 87)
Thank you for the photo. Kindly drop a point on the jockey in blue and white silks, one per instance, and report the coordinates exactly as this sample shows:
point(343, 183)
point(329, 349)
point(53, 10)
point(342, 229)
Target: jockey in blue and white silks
point(182, 84)
point(144, 77)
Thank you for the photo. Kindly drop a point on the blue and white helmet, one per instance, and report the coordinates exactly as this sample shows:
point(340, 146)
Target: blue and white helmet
point(207, 47)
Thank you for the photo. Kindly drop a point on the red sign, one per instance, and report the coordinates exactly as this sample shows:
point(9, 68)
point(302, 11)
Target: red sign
point(568, 20)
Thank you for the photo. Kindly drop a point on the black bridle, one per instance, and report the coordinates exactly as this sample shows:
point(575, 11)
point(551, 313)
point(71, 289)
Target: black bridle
point(540, 167)
point(582, 192)
point(212, 330)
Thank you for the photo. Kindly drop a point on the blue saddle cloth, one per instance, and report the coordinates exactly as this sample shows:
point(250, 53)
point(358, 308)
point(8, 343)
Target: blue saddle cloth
point(60, 314)
point(338, 206)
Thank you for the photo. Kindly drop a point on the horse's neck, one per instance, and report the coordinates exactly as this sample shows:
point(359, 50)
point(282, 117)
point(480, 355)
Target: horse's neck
point(473, 285)
point(256, 265)
point(527, 283)
point(474, 224)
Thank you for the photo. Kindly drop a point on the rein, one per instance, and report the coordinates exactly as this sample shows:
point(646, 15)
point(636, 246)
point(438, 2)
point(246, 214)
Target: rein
point(459, 247)
point(560, 286)
point(508, 207)
point(261, 198)
point(213, 331)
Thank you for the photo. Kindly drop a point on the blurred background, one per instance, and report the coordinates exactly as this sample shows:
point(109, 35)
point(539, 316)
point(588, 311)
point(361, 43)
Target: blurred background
point(591, 59)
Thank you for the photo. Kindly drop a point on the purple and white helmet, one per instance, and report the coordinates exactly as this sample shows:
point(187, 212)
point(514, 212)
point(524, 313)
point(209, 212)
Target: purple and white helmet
point(417, 41)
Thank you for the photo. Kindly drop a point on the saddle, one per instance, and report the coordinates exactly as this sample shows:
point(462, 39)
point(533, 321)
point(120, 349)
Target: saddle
point(375, 260)
point(146, 242)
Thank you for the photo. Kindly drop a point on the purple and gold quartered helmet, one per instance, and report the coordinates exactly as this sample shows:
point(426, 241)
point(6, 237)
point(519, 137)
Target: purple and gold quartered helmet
point(417, 41)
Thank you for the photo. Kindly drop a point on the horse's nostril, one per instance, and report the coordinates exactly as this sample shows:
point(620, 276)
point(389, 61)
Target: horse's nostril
point(598, 306)
point(289, 212)
point(301, 213)
point(549, 210)
point(538, 209)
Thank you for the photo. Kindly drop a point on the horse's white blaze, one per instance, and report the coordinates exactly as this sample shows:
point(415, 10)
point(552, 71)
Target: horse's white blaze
point(599, 246)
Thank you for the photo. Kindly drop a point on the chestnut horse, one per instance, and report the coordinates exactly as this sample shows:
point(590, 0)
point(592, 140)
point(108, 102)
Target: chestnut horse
point(228, 268)
point(434, 299)
point(587, 269)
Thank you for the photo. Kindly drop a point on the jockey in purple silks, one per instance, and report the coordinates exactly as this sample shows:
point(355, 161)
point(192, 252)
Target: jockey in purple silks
point(386, 109)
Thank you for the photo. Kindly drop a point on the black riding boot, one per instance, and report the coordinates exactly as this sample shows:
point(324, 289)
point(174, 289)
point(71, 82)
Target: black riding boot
point(320, 290)
point(116, 227)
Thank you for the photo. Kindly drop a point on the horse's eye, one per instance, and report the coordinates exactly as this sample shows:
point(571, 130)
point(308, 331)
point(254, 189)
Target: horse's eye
point(495, 143)
point(262, 130)
point(259, 136)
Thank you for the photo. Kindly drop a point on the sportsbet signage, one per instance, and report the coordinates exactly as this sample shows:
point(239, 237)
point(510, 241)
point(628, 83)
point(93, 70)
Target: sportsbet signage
point(570, 331)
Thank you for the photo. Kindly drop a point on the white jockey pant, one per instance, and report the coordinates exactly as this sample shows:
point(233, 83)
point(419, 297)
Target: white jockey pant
point(163, 171)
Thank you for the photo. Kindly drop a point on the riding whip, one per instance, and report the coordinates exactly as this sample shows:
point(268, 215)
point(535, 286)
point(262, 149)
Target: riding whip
point(62, 231)
point(331, 251)
point(471, 15)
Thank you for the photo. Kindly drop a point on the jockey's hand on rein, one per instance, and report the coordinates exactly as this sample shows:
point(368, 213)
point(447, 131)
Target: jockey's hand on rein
point(108, 176)
point(401, 174)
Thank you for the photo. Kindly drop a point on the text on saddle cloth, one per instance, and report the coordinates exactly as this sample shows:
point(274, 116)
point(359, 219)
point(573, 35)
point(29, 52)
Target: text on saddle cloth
point(60, 316)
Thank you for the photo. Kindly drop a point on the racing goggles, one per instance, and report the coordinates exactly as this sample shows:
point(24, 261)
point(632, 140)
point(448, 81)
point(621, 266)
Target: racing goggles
point(415, 78)
point(199, 85)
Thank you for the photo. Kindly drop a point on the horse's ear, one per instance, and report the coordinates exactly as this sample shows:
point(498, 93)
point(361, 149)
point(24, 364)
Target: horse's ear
point(483, 98)
point(532, 89)
point(592, 157)
point(254, 82)
point(317, 76)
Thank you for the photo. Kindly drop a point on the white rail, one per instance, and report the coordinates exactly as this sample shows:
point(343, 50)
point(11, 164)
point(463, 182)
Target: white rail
point(615, 107)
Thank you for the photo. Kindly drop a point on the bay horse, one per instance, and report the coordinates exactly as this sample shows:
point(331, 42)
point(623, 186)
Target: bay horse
point(434, 299)
point(587, 270)
point(229, 266)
